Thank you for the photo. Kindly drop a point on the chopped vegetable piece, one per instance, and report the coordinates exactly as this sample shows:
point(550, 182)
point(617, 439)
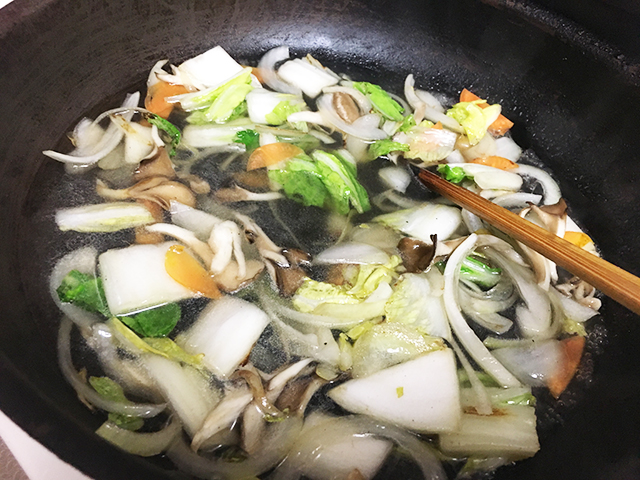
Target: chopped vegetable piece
point(110, 390)
point(407, 123)
point(103, 217)
point(280, 113)
point(229, 99)
point(381, 100)
point(272, 154)
point(173, 351)
point(474, 119)
point(454, 174)
point(500, 126)
point(572, 349)
point(385, 147)
point(339, 177)
point(475, 270)
point(250, 139)
point(579, 239)
point(85, 291)
point(496, 162)
point(302, 182)
point(169, 128)
point(155, 322)
point(190, 273)
point(156, 100)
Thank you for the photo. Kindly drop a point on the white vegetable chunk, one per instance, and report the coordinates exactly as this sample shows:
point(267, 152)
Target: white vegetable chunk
point(309, 78)
point(225, 332)
point(421, 394)
point(423, 221)
point(135, 278)
point(103, 217)
point(510, 431)
point(211, 68)
point(187, 391)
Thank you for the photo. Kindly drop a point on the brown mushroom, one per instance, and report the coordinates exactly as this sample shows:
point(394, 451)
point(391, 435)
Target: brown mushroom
point(159, 190)
point(158, 166)
point(416, 255)
point(345, 107)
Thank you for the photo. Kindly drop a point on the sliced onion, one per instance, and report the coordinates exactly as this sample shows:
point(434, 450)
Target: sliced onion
point(199, 222)
point(358, 147)
point(309, 117)
point(410, 93)
point(185, 236)
point(487, 177)
point(472, 221)
point(550, 188)
point(278, 440)
point(397, 178)
point(144, 410)
point(352, 253)
point(429, 100)
point(449, 123)
point(573, 309)
point(266, 67)
point(143, 444)
point(482, 403)
point(535, 364)
point(109, 141)
point(517, 200)
point(465, 334)
point(362, 128)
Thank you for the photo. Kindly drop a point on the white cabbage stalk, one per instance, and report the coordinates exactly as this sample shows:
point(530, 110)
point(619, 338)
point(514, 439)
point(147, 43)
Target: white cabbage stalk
point(365, 127)
point(225, 332)
point(509, 432)
point(329, 448)
point(487, 177)
point(103, 217)
point(194, 100)
point(266, 67)
point(550, 188)
point(455, 157)
point(267, 138)
point(212, 68)
point(187, 390)
point(135, 278)
point(421, 394)
point(352, 253)
point(465, 334)
point(199, 222)
point(109, 141)
point(423, 221)
point(261, 103)
point(412, 303)
point(308, 117)
point(309, 78)
point(397, 178)
point(507, 148)
point(427, 144)
point(202, 136)
point(357, 147)
point(142, 444)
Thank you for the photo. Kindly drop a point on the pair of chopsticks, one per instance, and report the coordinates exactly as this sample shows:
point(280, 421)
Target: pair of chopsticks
point(620, 285)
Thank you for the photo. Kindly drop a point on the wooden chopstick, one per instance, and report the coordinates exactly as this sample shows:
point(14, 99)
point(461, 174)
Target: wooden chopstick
point(611, 280)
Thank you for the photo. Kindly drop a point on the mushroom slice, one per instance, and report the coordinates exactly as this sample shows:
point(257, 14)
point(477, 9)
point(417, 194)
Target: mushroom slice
point(345, 107)
point(158, 189)
point(416, 255)
point(230, 281)
point(158, 166)
point(290, 277)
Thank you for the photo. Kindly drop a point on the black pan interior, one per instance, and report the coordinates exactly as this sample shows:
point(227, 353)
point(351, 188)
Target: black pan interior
point(574, 103)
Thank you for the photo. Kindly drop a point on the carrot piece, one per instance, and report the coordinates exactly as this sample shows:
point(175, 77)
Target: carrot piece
point(156, 100)
point(578, 238)
point(438, 126)
point(188, 272)
point(256, 73)
point(572, 349)
point(272, 154)
point(500, 126)
point(495, 162)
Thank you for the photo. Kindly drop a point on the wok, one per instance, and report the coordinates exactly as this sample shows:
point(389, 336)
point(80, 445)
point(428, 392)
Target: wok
point(573, 96)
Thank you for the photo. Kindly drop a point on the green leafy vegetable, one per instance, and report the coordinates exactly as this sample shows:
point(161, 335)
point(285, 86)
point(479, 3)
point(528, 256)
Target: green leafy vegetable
point(339, 178)
point(155, 322)
point(524, 399)
point(473, 119)
point(169, 128)
point(206, 98)
point(280, 113)
point(407, 123)
point(385, 147)
point(381, 100)
point(110, 390)
point(84, 291)
point(174, 351)
point(486, 379)
point(250, 138)
point(229, 99)
point(475, 270)
point(454, 174)
point(302, 182)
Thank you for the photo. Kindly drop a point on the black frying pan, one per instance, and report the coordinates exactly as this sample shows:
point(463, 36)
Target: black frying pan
point(574, 100)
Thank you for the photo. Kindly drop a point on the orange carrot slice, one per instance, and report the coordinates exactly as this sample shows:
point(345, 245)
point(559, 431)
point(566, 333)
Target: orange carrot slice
point(188, 272)
point(572, 349)
point(272, 154)
point(156, 100)
point(578, 238)
point(437, 126)
point(501, 125)
point(495, 162)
